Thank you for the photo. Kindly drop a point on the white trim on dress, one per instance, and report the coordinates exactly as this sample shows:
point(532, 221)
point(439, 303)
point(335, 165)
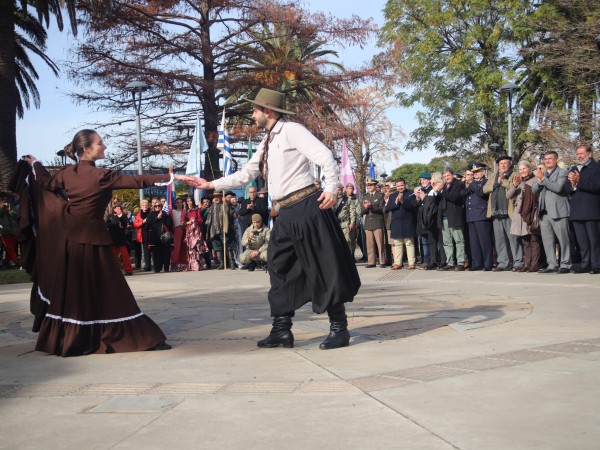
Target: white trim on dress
point(93, 322)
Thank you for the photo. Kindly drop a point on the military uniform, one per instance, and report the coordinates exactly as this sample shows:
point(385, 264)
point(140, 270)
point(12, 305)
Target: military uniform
point(374, 227)
point(480, 227)
point(348, 213)
point(259, 242)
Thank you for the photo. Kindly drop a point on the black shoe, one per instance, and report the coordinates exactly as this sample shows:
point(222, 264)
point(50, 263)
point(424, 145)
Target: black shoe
point(459, 268)
point(547, 270)
point(163, 346)
point(581, 270)
point(594, 271)
point(431, 267)
point(370, 266)
point(564, 270)
point(475, 269)
point(251, 266)
point(383, 266)
point(280, 335)
point(498, 269)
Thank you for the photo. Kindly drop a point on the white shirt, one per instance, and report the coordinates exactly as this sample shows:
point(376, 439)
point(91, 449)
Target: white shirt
point(291, 149)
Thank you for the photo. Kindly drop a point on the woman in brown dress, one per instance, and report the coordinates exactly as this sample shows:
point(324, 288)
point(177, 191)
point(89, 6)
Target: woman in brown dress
point(87, 304)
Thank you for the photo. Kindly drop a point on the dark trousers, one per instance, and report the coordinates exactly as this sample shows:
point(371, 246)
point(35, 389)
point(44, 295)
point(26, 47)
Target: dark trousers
point(432, 243)
point(532, 249)
point(482, 244)
point(137, 250)
point(161, 254)
point(587, 233)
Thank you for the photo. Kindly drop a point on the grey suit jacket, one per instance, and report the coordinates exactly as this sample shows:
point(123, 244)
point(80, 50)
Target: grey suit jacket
point(553, 191)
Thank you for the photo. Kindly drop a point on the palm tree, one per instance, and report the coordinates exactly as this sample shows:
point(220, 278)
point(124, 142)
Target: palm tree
point(291, 62)
point(30, 36)
point(11, 44)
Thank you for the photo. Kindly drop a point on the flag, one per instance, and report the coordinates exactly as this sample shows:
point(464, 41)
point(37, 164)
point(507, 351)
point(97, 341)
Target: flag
point(199, 145)
point(252, 183)
point(194, 164)
point(346, 172)
point(168, 206)
point(223, 143)
point(371, 170)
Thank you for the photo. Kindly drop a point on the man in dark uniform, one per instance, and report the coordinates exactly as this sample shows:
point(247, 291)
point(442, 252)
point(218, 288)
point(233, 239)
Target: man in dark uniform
point(480, 227)
point(372, 208)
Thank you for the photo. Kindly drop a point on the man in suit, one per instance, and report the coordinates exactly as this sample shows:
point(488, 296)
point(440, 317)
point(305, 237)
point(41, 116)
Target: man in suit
point(402, 206)
point(553, 188)
point(584, 189)
point(372, 208)
point(451, 220)
point(253, 205)
point(508, 249)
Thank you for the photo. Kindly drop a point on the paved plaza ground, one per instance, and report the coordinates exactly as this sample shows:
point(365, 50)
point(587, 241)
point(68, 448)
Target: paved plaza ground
point(437, 360)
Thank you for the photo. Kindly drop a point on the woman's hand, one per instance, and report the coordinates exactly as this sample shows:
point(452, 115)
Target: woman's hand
point(30, 159)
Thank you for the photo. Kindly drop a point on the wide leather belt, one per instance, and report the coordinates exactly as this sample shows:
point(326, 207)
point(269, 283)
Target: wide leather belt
point(297, 196)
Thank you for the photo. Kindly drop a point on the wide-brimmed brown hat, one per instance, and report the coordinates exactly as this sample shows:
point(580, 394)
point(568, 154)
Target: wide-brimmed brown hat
point(270, 99)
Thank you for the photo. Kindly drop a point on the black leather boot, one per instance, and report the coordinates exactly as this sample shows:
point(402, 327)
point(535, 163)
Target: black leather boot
point(338, 330)
point(221, 264)
point(280, 334)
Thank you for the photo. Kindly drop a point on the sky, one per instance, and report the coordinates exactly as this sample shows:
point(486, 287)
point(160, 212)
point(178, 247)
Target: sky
point(44, 131)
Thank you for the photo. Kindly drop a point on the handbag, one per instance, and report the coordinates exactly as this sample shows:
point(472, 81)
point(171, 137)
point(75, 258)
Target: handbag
point(167, 237)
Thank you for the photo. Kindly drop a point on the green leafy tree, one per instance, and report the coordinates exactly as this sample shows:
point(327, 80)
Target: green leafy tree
point(454, 55)
point(560, 69)
point(409, 172)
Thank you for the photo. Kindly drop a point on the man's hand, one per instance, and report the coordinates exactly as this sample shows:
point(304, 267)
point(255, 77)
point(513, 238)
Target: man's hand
point(573, 177)
point(254, 254)
point(327, 200)
point(351, 226)
point(198, 183)
point(539, 174)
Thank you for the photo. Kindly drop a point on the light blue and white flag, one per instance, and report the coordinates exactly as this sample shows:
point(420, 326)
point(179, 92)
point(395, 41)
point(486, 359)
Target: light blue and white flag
point(223, 143)
point(194, 164)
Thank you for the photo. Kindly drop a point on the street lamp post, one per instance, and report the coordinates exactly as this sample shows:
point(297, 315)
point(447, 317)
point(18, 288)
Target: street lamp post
point(384, 176)
point(510, 89)
point(136, 88)
point(494, 146)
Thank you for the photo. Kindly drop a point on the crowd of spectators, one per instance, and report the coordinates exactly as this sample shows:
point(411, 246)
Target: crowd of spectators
point(516, 217)
point(520, 218)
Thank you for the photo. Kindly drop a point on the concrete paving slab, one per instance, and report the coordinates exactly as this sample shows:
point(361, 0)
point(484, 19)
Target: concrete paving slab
point(437, 360)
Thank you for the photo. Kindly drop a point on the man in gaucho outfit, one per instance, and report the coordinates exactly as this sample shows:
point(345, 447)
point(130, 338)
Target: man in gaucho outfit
point(308, 257)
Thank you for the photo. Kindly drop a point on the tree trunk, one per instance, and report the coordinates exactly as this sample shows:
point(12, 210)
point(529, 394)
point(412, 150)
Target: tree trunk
point(208, 100)
point(8, 92)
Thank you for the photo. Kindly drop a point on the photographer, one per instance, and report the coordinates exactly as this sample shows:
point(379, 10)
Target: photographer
point(256, 241)
point(117, 224)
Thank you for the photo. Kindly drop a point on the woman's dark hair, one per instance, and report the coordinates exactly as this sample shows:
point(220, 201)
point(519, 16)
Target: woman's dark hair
point(193, 201)
point(81, 140)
